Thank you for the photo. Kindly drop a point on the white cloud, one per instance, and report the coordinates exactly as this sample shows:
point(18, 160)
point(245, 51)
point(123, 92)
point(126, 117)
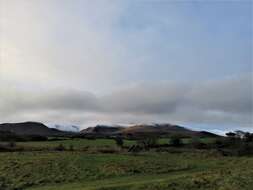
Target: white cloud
point(50, 43)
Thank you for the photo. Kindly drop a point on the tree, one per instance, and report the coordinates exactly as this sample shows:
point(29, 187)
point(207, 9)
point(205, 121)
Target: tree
point(148, 142)
point(240, 134)
point(135, 149)
point(12, 144)
point(119, 142)
point(248, 137)
point(60, 147)
point(231, 134)
point(175, 141)
point(71, 147)
point(196, 143)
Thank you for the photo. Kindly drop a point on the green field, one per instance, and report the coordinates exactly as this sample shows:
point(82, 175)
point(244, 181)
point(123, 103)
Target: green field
point(82, 143)
point(76, 143)
point(151, 170)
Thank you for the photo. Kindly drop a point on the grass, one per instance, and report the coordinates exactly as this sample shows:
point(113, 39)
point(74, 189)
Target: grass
point(76, 143)
point(187, 140)
point(79, 170)
point(82, 143)
point(178, 181)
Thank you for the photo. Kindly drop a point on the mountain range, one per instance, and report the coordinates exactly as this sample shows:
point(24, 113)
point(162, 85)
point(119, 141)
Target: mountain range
point(161, 130)
point(31, 128)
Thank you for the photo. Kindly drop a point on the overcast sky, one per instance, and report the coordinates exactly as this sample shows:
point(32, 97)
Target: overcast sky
point(86, 62)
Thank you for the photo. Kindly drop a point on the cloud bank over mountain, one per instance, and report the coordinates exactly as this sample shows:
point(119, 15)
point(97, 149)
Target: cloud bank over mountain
point(221, 102)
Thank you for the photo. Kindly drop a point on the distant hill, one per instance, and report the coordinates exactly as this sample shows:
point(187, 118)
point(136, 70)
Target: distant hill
point(70, 128)
point(135, 131)
point(102, 130)
point(207, 134)
point(161, 130)
point(31, 128)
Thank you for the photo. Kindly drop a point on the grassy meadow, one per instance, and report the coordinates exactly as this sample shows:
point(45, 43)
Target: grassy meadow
point(91, 143)
point(87, 166)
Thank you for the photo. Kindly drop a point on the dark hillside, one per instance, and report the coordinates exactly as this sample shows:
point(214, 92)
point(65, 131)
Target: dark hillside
point(159, 130)
point(30, 128)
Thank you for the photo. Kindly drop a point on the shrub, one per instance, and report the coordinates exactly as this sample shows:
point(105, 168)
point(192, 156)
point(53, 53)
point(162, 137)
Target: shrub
point(12, 144)
point(9, 136)
point(196, 143)
point(71, 147)
point(90, 137)
point(223, 143)
point(85, 148)
point(4, 184)
point(175, 141)
point(231, 135)
point(135, 149)
point(4, 148)
point(107, 150)
point(35, 138)
point(147, 142)
point(119, 142)
point(60, 147)
point(248, 137)
point(245, 149)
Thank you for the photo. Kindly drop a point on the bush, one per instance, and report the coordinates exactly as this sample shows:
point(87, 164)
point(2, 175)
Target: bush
point(231, 135)
point(135, 149)
point(248, 137)
point(175, 141)
point(12, 144)
point(4, 184)
point(71, 147)
point(107, 151)
point(85, 148)
point(224, 142)
point(4, 148)
point(148, 142)
point(245, 149)
point(35, 138)
point(119, 142)
point(196, 143)
point(60, 147)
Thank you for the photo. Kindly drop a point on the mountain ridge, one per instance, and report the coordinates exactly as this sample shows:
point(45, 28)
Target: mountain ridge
point(31, 128)
point(162, 130)
point(138, 130)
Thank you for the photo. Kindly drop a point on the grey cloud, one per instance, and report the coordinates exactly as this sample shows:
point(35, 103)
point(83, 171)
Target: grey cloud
point(146, 99)
point(70, 100)
point(232, 95)
point(227, 101)
point(18, 100)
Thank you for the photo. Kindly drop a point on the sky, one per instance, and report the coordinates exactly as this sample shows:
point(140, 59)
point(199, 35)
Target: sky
point(86, 62)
